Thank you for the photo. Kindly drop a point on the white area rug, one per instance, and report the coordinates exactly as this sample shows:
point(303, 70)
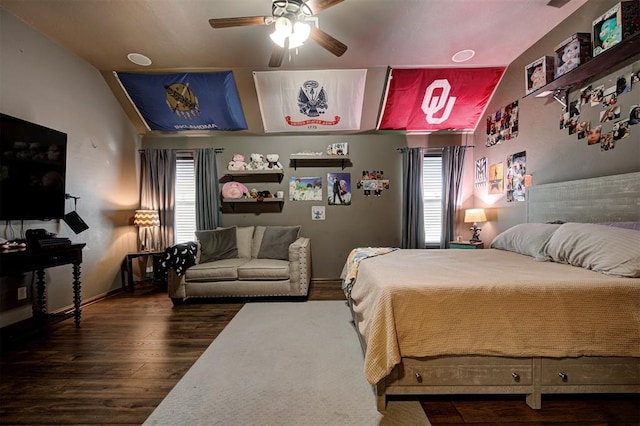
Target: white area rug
point(282, 364)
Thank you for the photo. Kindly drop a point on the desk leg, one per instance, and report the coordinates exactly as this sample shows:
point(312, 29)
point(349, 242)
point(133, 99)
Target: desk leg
point(40, 308)
point(130, 272)
point(76, 293)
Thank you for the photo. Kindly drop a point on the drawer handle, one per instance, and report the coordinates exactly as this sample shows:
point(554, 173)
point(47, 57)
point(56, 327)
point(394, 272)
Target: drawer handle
point(563, 376)
point(418, 377)
point(516, 377)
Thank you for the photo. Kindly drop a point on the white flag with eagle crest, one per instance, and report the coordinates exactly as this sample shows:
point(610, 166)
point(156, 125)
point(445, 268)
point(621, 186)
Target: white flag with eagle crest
point(310, 101)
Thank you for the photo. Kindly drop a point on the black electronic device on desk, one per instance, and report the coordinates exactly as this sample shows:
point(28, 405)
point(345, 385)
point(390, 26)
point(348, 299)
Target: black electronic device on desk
point(41, 238)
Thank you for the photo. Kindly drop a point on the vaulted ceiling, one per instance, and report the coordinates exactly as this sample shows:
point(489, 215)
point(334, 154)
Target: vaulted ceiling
point(176, 35)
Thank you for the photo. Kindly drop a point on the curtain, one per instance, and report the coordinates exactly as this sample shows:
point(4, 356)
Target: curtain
point(452, 162)
point(157, 182)
point(412, 202)
point(208, 204)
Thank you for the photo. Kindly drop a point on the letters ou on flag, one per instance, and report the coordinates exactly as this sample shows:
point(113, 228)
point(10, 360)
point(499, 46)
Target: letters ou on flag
point(432, 99)
point(310, 101)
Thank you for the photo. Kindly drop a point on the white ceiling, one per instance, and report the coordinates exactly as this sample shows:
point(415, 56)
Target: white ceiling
point(176, 34)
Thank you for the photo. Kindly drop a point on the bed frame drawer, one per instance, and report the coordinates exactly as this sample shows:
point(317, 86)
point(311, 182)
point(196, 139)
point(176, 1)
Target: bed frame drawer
point(590, 371)
point(456, 371)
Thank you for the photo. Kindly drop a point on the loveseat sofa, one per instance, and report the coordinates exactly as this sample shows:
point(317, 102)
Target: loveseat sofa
point(246, 262)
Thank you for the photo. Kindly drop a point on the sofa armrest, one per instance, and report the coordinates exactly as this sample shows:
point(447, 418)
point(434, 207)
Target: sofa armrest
point(300, 264)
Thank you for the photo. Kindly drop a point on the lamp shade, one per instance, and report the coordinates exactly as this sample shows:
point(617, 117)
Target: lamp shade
point(475, 215)
point(143, 218)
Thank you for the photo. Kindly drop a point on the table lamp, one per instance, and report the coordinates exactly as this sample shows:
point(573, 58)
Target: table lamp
point(145, 220)
point(475, 216)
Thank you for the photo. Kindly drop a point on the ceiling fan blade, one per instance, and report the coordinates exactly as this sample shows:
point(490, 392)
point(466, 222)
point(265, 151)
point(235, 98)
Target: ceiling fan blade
point(325, 40)
point(277, 54)
point(240, 22)
point(318, 6)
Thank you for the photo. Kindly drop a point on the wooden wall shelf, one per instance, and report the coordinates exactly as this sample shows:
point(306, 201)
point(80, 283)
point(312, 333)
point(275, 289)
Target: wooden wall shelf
point(319, 161)
point(245, 176)
point(611, 60)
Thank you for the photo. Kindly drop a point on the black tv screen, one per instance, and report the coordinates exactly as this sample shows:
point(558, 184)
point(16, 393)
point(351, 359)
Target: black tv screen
point(32, 170)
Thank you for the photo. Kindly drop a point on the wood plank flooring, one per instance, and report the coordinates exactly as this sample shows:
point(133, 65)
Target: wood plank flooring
point(133, 348)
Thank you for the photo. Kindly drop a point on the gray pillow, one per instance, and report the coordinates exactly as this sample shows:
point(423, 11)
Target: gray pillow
point(526, 238)
point(601, 248)
point(217, 244)
point(276, 241)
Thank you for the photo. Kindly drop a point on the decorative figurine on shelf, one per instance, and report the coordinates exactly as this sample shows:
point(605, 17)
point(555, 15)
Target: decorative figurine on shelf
point(257, 162)
point(273, 162)
point(237, 163)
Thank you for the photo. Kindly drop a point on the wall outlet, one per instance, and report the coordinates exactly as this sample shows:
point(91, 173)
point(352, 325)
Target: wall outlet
point(22, 293)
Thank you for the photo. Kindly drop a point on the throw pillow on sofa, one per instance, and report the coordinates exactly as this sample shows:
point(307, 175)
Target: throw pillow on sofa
point(276, 241)
point(217, 244)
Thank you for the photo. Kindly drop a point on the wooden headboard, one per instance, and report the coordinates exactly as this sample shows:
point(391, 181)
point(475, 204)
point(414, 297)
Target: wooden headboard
point(603, 199)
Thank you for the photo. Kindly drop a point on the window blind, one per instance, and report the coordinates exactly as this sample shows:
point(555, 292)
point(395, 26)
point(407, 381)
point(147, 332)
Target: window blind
point(185, 200)
point(432, 198)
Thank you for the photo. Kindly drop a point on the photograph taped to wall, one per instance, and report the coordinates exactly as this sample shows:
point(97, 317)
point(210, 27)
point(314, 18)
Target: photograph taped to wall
point(594, 134)
point(621, 129)
point(305, 188)
point(582, 129)
point(612, 113)
point(634, 115)
point(623, 83)
point(606, 142)
point(317, 213)
point(585, 95)
point(597, 94)
point(339, 189)
point(516, 170)
point(496, 178)
point(609, 97)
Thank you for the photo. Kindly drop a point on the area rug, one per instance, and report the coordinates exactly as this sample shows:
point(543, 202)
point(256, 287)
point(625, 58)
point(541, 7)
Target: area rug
point(282, 364)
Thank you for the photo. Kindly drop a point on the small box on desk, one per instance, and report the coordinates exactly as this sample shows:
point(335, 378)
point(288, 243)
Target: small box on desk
point(572, 52)
point(618, 23)
point(538, 73)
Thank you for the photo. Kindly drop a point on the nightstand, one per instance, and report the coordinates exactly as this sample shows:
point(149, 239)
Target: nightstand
point(127, 268)
point(468, 245)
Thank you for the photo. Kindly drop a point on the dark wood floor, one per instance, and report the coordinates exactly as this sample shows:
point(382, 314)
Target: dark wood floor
point(133, 348)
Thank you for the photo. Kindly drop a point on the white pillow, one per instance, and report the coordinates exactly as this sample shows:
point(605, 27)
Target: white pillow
point(526, 238)
point(606, 249)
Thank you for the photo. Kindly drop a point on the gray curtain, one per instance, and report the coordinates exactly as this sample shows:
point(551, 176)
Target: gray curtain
point(452, 162)
point(208, 214)
point(412, 204)
point(157, 182)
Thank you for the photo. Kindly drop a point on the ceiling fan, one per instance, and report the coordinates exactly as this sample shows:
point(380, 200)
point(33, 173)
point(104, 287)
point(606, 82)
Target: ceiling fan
point(294, 23)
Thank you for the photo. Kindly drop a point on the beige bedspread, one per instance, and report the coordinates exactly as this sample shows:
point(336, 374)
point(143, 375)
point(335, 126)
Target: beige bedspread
point(413, 303)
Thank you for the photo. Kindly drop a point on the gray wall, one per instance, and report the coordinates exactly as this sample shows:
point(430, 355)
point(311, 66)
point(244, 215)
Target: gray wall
point(368, 221)
point(45, 84)
point(552, 154)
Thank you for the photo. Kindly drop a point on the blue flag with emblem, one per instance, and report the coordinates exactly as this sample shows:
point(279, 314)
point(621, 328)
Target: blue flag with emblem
point(185, 101)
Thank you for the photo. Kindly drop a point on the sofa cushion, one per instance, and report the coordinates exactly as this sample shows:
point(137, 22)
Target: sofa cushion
point(244, 239)
point(264, 269)
point(276, 241)
point(217, 244)
point(220, 270)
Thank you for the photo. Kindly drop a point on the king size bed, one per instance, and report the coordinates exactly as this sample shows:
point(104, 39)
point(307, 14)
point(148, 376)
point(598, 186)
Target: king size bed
point(550, 308)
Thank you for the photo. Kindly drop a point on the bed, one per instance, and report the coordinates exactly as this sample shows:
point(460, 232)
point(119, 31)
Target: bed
point(550, 308)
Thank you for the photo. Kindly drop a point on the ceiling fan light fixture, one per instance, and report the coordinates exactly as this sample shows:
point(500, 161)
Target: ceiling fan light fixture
point(299, 35)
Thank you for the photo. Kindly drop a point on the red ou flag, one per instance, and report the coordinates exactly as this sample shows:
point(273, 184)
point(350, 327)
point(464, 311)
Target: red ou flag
point(431, 99)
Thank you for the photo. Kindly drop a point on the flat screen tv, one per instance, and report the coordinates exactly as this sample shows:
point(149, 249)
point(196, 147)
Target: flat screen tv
point(32, 170)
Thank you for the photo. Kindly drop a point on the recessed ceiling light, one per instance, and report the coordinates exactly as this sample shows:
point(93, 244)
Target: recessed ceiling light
point(463, 55)
point(139, 59)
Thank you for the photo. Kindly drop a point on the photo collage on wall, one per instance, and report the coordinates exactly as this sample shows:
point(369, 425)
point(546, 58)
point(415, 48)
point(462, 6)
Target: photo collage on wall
point(608, 125)
point(503, 124)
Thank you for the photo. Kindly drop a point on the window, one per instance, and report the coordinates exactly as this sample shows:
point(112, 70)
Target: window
point(185, 207)
point(432, 198)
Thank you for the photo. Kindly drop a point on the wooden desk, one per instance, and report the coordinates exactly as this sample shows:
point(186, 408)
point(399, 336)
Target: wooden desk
point(15, 262)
